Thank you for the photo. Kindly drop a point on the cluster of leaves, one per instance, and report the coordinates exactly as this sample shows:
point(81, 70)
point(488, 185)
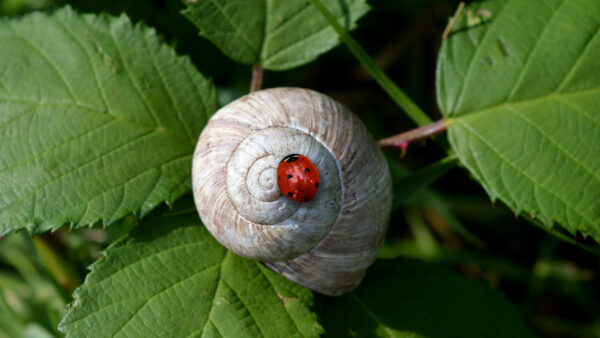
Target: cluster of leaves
point(99, 119)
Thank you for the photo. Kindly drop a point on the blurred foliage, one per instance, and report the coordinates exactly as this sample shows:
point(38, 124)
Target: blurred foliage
point(11, 7)
point(31, 303)
point(555, 284)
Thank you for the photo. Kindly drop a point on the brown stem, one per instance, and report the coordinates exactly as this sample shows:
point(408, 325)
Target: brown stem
point(404, 139)
point(453, 21)
point(257, 78)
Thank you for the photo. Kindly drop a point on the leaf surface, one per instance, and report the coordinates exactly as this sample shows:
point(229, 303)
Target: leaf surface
point(521, 90)
point(170, 277)
point(410, 298)
point(98, 119)
point(277, 34)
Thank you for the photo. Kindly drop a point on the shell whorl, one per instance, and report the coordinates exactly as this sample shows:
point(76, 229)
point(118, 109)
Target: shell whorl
point(325, 244)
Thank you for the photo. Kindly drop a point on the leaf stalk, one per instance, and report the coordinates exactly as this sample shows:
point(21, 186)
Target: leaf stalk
point(257, 78)
point(402, 140)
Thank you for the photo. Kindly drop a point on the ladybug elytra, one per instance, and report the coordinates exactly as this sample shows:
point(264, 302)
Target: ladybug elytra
point(298, 178)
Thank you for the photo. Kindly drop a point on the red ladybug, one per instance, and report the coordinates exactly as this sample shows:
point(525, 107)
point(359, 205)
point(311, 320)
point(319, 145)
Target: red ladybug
point(298, 178)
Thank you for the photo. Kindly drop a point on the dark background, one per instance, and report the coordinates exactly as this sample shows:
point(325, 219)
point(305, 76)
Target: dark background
point(553, 283)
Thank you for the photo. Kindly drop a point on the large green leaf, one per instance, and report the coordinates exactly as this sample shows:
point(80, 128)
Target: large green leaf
point(98, 119)
point(171, 278)
point(409, 298)
point(277, 34)
point(521, 90)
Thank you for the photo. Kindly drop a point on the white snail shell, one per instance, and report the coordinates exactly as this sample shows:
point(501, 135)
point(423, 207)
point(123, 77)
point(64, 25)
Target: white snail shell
point(325, 244)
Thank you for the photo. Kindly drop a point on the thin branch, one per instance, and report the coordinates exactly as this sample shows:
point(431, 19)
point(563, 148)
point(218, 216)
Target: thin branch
point(404, 139)
point(397, 94)
point(455, 17)
point(257, 78)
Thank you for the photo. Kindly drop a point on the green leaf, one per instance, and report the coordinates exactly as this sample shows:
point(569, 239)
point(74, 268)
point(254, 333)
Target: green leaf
point(278, 35)
point(170, 277)
point(521, 90)
point(409, 298)
point(98, 119)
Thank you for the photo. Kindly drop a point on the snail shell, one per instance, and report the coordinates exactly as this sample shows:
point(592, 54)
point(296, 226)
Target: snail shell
point(325, 244)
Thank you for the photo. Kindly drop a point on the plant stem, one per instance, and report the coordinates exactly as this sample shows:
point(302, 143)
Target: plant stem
point(401, 99)
point(453, 21)
point(257, 78)
point(403, 139)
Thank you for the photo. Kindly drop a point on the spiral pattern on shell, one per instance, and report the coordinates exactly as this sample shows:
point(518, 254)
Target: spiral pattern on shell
point(325, 244)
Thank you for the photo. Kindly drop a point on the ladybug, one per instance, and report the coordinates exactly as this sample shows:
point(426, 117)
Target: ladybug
point(298, 178)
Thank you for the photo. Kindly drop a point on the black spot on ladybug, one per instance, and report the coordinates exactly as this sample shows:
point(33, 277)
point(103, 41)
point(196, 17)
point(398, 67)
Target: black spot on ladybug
point(290, 158)
point(306, 170)
point(291, 194)
point(289, 176)
point(278, 177)
point(317, 185)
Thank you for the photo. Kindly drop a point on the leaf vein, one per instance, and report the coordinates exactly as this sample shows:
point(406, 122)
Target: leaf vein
point(142, 97)
point(89, 59)
point(468, 73)
point(533, 50)
point(89, 314)
point(573, 67)
point(110, 189)
point(263, 41)
point(235, 27)
point(18, 117)
point(168, 91)
point(207, 109)
point(535, 183)
point(8, 91)
point(533, 100)
point(284, 24)
point(212, 303)
point(64, 143)
point(578, 110)
point(297, 42)
point(175, 186)
point(160, 292)
point(260, 268)
point(262, 334)
point(552, 142)
point(45, 57)
point(372, 315)
point(118, 207)
point(138, 138)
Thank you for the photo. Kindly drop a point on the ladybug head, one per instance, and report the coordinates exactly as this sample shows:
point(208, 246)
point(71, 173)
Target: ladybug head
point(290, 158)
